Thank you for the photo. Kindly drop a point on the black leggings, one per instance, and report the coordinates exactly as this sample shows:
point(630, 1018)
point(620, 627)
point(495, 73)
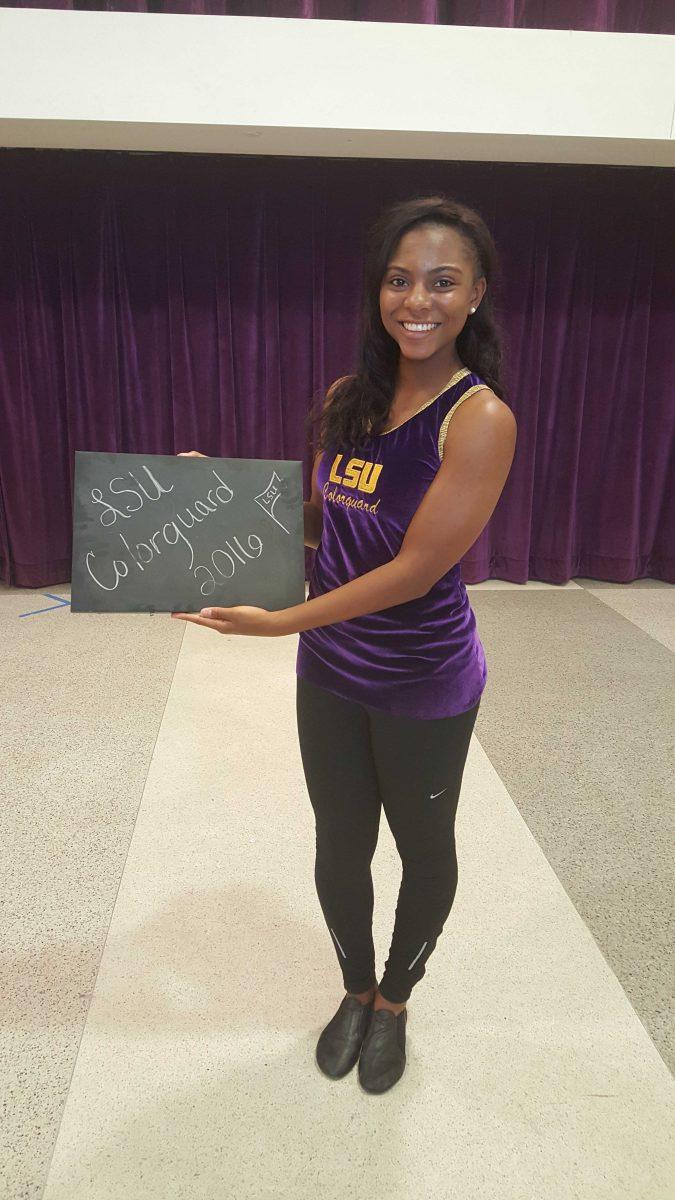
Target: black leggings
point(356, 759)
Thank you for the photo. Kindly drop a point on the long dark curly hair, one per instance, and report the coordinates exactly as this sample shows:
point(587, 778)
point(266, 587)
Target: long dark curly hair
point(359, 404)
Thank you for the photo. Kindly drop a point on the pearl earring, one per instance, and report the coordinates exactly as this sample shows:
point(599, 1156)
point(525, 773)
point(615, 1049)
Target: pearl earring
point(473, 310)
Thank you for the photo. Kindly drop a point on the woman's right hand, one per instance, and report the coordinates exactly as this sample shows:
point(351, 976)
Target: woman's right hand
point(191, 454)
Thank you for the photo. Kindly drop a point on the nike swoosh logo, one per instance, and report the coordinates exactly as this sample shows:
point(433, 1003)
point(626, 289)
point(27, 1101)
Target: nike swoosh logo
point(438, 794)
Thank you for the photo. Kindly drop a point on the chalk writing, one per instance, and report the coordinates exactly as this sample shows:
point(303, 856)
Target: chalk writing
point(150, 534)
point(142, 554)
point(269, 497)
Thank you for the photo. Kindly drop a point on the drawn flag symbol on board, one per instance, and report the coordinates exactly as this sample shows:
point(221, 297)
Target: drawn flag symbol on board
point(268, 498)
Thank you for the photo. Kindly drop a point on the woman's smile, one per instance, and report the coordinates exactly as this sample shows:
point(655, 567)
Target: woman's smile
point(419, 329)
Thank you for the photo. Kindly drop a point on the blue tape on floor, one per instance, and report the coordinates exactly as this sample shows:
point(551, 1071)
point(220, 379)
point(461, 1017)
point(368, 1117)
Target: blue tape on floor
point(61, 604)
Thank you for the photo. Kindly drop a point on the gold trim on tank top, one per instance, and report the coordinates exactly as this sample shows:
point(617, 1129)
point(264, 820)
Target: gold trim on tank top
point(455, 379)
point(479, 387)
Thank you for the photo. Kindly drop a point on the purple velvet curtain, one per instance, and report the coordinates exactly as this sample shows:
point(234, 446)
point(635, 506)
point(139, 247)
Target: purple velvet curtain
point(165, 302)
point(609, 16)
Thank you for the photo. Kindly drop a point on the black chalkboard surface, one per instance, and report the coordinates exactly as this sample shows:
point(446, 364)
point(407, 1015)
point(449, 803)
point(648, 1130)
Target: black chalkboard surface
point(162, 533)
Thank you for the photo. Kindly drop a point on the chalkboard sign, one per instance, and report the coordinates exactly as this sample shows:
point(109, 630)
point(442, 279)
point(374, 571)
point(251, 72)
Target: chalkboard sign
point(159, 533)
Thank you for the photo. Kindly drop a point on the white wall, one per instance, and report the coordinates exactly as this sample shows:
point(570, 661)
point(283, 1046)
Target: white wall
point(259, 85)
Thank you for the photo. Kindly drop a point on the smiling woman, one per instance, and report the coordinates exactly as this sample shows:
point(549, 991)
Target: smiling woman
point(390, 667)
point(422, 298)
point(431, 262)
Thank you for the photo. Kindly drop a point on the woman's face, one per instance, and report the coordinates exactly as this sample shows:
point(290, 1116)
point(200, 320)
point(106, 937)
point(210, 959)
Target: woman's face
point(428, 281)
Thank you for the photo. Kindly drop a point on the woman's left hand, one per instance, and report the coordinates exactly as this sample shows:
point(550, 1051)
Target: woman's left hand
point(257, 622)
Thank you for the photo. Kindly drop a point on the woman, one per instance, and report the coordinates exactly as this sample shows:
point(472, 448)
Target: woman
point(415, 449)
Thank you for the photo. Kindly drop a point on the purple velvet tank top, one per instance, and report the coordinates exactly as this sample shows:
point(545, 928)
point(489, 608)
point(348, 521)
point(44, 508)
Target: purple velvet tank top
point(422, 658)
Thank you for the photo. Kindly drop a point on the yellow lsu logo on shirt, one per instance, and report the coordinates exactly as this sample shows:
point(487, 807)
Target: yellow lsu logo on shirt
point(357, 474)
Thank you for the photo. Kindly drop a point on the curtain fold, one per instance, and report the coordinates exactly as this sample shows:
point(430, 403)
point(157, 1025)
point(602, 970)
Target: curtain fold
point(163, 302)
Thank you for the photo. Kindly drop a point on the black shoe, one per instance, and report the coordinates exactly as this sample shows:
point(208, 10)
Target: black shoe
point(382, 1060)
point(339, 1045)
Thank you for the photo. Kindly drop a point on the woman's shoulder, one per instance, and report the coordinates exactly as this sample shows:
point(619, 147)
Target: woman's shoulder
point(471, 382)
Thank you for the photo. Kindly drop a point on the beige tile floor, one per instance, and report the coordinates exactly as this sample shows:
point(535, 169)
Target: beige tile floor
point(166, 969)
